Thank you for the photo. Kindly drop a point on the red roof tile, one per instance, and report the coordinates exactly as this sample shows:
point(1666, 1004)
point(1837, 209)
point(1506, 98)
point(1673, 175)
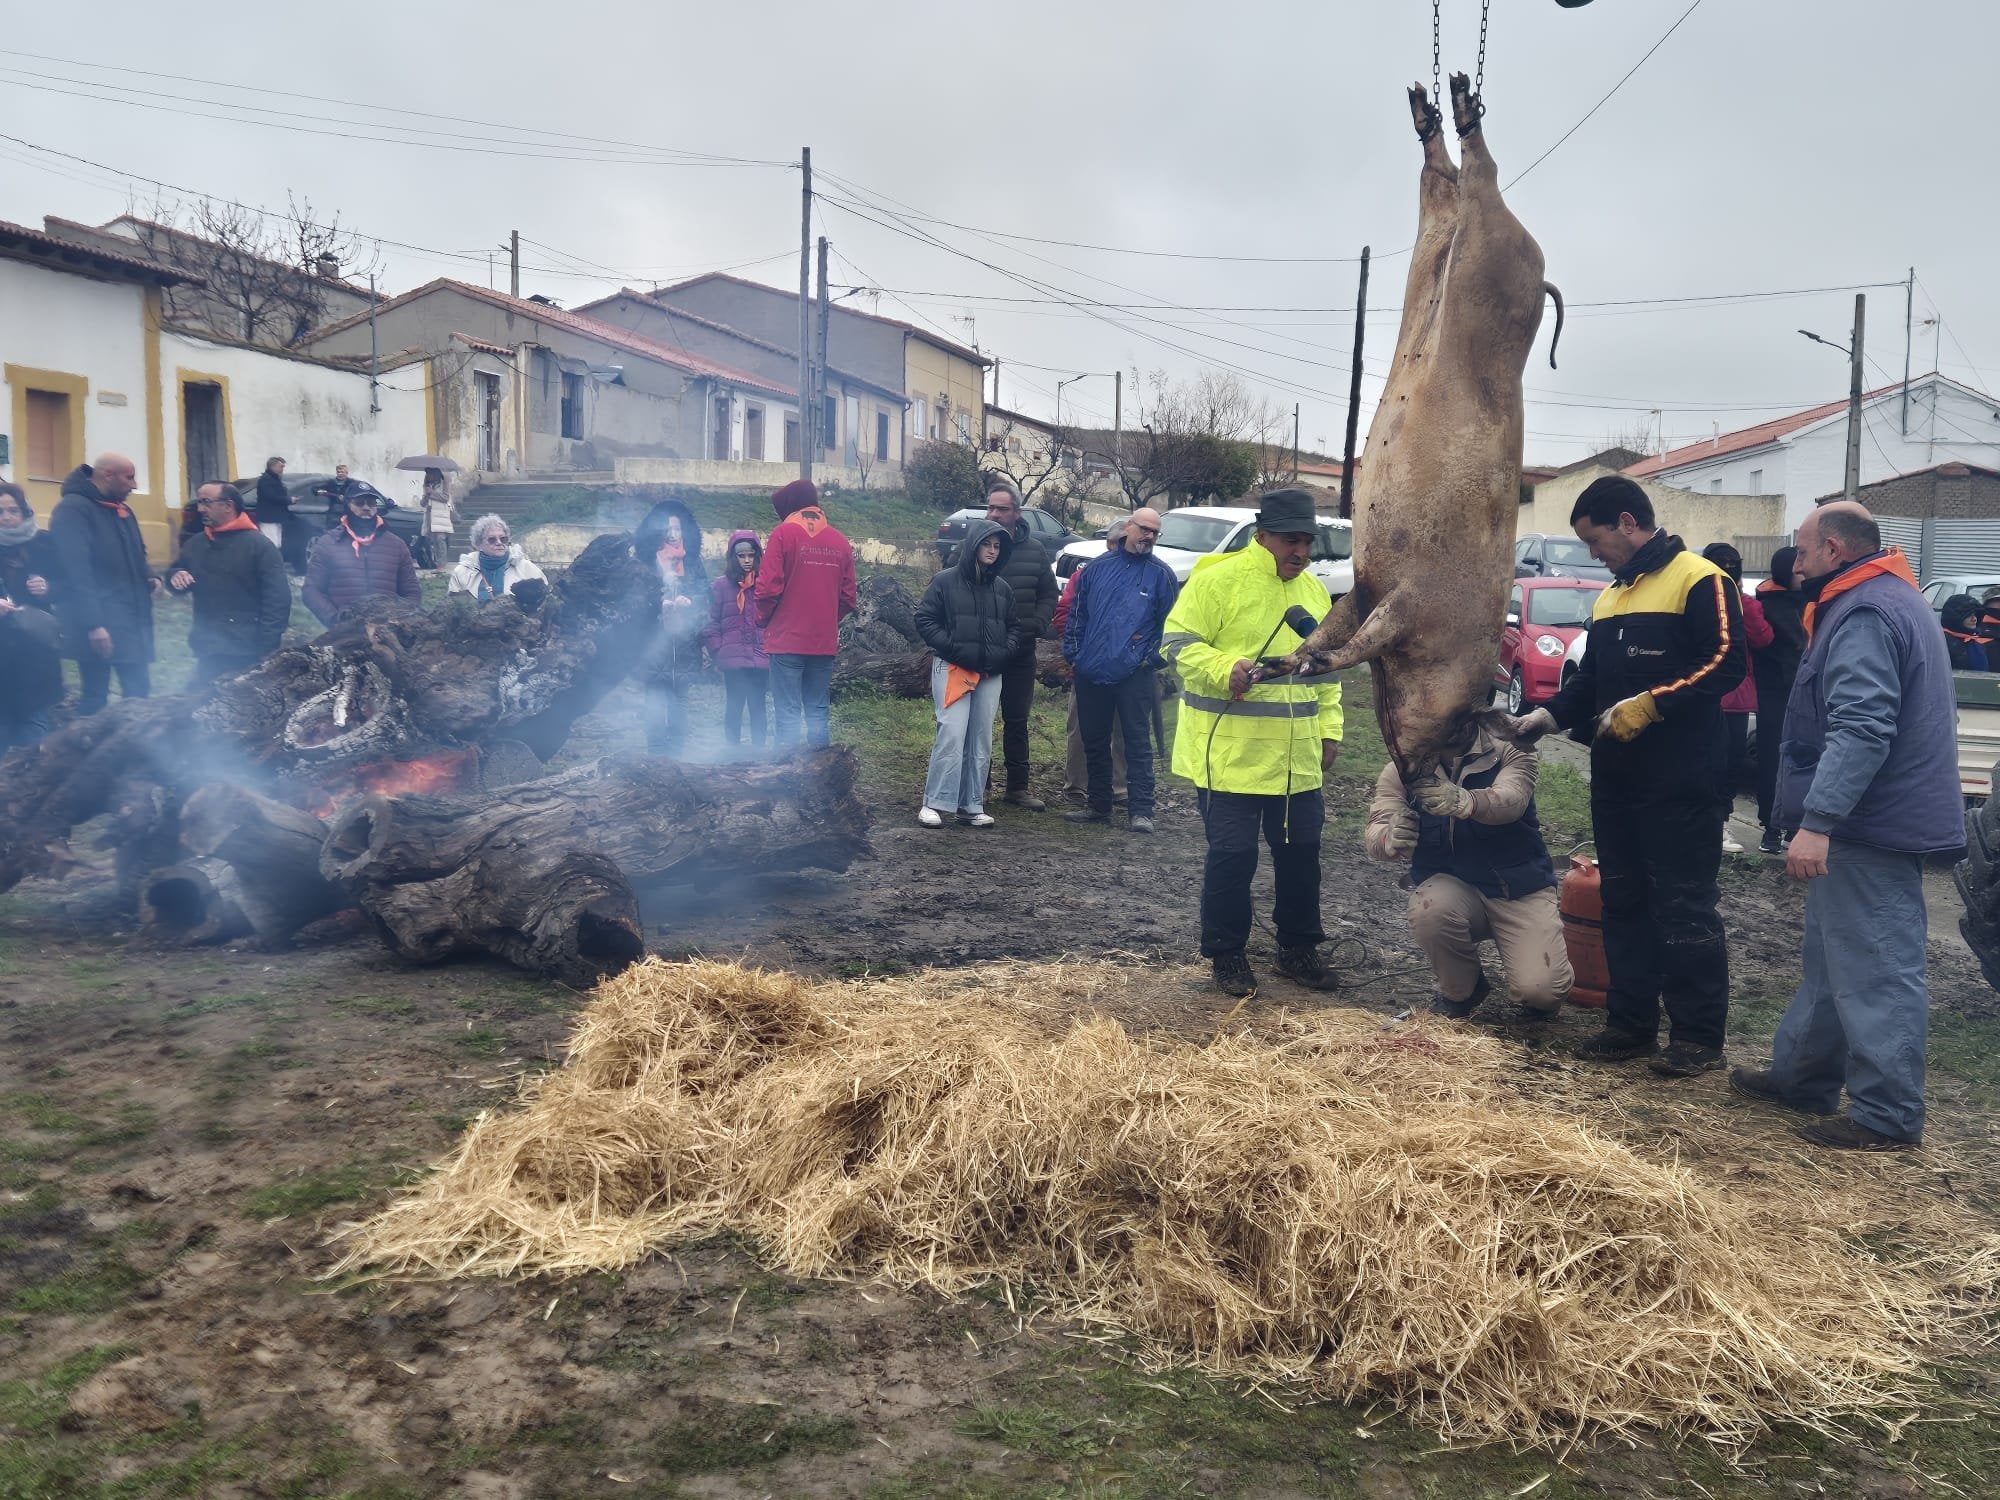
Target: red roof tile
point(1745, 438)
point(910, 328)
point(142, 270)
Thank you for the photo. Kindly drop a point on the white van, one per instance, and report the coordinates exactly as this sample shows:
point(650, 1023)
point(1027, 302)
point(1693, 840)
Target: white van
point(1195, 531)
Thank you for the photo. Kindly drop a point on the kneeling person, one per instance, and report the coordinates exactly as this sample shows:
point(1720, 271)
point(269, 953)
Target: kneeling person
point(1479, 871)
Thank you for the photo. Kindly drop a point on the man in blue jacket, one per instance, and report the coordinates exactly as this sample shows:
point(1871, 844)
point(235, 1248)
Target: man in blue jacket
point(1868, 775)
point(1112, 640)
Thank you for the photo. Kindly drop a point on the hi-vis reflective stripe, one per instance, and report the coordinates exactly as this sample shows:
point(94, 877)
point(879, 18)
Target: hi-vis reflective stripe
point(1172, 644)
point(1255, 708)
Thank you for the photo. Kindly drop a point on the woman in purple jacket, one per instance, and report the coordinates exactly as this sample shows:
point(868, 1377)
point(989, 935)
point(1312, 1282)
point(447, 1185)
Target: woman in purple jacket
point(736, 640)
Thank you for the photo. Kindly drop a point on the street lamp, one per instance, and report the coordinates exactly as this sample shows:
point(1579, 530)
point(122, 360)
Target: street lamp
point(1087, 375)
point(1852, 489)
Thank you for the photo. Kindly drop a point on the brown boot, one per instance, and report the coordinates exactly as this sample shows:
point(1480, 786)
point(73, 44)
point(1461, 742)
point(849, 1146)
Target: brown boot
point(1022, 797)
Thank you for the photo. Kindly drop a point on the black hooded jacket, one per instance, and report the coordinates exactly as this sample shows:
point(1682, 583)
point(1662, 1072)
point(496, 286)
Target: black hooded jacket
point(107, 582)
point(676, 651)
point(966, 616)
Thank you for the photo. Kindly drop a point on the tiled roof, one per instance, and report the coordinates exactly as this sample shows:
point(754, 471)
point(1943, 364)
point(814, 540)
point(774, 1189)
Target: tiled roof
point(1950, 469)
point(338, 283)
point(1743, 440)
point(482, 347)
point(777, 291)
point(578, 323)
point(132, 267)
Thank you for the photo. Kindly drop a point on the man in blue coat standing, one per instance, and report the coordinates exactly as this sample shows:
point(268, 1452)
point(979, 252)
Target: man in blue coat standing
point(1868, 775)
point(1112, 640)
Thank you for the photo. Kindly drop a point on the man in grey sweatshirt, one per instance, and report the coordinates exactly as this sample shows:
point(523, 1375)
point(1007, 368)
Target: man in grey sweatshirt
point(1868, 775)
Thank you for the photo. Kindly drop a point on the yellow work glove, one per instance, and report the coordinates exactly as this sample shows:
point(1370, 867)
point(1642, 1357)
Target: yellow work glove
point(1624, 720)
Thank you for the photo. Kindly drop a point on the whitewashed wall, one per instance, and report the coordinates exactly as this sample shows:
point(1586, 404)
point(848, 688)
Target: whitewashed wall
point(52, 320)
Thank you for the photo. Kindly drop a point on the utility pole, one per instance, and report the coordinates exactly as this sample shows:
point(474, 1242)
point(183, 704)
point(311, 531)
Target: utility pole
point(806, 415)
point(1909, 299)
point(819, 351)
point(1354, 393)
point(996, 382)
point(1854, 401)
point(1118, 421)
point(514, 261)
point(1295, 442)
point(374, 360)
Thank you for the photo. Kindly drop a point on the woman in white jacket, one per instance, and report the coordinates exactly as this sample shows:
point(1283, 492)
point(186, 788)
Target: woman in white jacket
point(494, 565)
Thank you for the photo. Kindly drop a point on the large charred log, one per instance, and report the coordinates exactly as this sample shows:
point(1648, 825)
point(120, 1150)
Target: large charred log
point(908, 674)
point(272, 852)
point(386, 683)
point(546, 876)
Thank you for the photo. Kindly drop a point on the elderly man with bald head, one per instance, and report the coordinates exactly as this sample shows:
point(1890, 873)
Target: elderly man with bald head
point(107, 600)
point(1868, 775)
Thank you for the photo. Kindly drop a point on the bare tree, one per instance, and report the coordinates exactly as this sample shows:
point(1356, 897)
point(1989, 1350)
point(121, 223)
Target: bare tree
point(1202, 439)
point(1636, 435)
point(261, 277)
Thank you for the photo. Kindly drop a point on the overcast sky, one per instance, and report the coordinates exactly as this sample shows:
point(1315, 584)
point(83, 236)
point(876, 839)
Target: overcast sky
point(1767, 145)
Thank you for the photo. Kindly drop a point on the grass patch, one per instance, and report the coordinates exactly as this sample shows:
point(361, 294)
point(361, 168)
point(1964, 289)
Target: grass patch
point(742, 1437)
point(295, 1197)
point(483, 1043)
point(209, 1004)
point(101, 1283)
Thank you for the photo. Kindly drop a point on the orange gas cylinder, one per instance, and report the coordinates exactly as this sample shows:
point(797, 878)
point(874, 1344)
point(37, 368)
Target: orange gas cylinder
point(1582, 904)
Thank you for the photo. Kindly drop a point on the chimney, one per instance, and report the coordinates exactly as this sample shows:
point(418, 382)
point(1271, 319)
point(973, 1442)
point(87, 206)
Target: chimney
point(328, 267)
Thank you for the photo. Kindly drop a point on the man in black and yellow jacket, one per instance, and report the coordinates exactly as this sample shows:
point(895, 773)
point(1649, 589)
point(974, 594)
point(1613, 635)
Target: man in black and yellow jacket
point(1665, 645)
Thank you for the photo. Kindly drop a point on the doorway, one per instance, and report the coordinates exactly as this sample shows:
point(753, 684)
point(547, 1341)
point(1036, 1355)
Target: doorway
point(204, 446)
point(486, 405)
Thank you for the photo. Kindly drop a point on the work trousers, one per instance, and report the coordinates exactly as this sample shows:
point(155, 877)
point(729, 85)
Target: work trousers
point(801, 694)
point(1860, 1014)
point(1076, 770)
point(963, 748)
point(1450, 919)
point(667, 716)
point(1291, 826)
point(1662, 936)
point(135, 680)
point(22, 727)
point(1731, 755)
point(1130, 703)
point(1017, 701)
point(744, 688)
point(1770, 734)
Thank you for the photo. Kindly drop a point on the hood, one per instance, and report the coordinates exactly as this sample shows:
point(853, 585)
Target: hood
point(976, 533)
point(78, 482)
point(729, 552)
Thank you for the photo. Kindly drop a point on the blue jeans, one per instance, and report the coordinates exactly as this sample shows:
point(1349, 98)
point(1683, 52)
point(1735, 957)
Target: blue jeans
point(963, 748)
point(801, 688)
point(1131, 703)
point(1859, 1017)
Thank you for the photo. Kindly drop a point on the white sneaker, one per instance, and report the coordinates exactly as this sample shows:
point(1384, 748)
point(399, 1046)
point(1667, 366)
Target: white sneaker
point(1729, 844)
point(978, 820)
point(930, 817)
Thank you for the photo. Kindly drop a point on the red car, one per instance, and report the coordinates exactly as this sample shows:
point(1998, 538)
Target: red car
point(1543, 616)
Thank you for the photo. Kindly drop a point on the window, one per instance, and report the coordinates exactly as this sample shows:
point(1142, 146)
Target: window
point(829, 425)
point(1715, 486)
point(919, 415)
point(753, 433)
point(1333, 544)
point(1514, 607)
point(1756, 481)
point(47, 442)
point(882, 436)
point(1561, 606)
point(965, 427)
point(791, 438)
point(572, 405)
point(849, 454)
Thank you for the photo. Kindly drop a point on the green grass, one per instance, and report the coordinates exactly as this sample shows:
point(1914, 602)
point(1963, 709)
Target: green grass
point(728, 1436)
point(295, 1197)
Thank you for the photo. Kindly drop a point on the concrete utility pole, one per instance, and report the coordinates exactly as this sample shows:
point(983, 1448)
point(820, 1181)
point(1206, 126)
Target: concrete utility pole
point(1854, 400)
point(819, 350)
point(374, 357)
point(806, 414)
point(1909, 300)
point(1354, 393)
point(1118, 421)
point(1295, 442)
point(514, 263)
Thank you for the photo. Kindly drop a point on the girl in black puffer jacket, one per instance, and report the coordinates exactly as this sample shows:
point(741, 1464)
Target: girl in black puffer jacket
point(967, 619)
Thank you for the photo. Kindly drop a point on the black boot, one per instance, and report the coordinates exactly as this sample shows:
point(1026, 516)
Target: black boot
point(1458, 1010)
point(1233, 975)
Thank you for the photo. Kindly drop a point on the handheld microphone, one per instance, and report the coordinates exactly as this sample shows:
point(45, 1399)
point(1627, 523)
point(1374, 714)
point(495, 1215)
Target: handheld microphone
point(1299, 620)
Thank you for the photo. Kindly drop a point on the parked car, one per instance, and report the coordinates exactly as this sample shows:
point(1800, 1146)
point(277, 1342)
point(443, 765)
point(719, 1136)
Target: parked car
point(1940, 589)
point(1195, 531)
point(1045, 528)
point(310, 509)
point(1540, 556)
point(1547, 618)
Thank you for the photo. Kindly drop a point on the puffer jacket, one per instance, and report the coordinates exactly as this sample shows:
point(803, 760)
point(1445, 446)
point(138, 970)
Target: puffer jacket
point(340, 573)
point(733, 637)
point(1266, 743)
point(469, 578)
point(30, 669)
point(242, 598)
point(107, 582)
point(1033, 581)
point(966, 618)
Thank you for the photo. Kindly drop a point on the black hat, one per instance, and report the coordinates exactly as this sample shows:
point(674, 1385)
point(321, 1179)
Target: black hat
point(1288, 512)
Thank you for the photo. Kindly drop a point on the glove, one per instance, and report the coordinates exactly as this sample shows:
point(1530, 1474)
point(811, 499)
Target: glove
point(1624, 720)
point(1531, 727)
point(1444, 798)
point(1396, 838)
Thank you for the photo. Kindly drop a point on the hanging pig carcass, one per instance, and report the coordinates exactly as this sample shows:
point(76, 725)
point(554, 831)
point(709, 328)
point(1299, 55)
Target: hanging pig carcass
point(1440, 485)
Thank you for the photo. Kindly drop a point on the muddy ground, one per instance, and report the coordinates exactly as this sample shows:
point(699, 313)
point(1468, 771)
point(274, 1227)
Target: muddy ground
point(181, 1131)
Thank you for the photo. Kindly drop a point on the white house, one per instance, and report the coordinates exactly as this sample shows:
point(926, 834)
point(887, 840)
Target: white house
point(1804, 456)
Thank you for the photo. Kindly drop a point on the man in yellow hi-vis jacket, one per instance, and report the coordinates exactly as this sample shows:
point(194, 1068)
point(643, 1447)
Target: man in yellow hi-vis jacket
point(1257, 751)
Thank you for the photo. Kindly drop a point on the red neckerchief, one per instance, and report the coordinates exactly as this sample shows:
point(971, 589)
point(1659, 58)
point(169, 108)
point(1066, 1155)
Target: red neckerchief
point(239, 522)
point(359, 540)
point(117, 505)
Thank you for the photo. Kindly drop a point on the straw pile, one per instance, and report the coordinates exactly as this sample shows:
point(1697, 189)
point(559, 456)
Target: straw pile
point(1353, 1207)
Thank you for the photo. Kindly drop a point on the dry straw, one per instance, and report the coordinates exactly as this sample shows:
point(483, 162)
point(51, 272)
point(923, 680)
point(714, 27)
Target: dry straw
point(1355, 1207)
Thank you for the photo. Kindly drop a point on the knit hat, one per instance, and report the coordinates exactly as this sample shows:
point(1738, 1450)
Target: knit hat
point(795, 496)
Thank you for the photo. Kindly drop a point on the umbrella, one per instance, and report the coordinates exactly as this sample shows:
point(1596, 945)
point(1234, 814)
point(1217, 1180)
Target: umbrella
point(428, 461)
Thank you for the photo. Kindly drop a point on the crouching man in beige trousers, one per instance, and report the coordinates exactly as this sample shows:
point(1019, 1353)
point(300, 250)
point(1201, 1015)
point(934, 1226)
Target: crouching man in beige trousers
point(1479, 872)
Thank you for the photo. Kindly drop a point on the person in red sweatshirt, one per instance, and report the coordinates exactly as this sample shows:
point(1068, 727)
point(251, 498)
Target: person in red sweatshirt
point(805, 588)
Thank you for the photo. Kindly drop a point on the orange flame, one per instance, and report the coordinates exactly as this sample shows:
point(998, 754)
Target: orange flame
point(447, 771)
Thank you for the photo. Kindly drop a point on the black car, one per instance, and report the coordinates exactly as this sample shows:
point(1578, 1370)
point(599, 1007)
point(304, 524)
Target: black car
point(1538, 556)
point(1045, 528)
point(311, 508)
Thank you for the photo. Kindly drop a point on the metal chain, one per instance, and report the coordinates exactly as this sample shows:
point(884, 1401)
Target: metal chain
point(1479, 78)
point(1437, 50)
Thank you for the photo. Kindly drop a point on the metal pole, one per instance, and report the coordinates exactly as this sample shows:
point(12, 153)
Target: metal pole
point(1118, 420)
point(514, 263)
point(1354, 393)
point(374, 359)
point(806, 414)
point(819, 354)
point(1909, 298)
point(1854, 401)
point(1295, 442)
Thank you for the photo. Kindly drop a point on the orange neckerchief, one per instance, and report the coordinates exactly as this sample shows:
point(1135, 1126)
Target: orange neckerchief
point(958, 681)
point(238, 522)
point(744, 587)
point(1960, 635)
point(1772, 586)
point(1891, 562)
point(357, 539)
point(808, 518)
point(117, 505)
point(672, 558)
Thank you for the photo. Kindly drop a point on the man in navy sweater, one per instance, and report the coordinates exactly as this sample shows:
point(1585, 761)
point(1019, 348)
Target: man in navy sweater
point(1112, 640)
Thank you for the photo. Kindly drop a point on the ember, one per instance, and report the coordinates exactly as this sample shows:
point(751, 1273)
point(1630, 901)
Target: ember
point(441, 774)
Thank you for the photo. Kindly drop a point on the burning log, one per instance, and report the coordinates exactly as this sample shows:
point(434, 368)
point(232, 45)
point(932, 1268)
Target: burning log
point(272, 852)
